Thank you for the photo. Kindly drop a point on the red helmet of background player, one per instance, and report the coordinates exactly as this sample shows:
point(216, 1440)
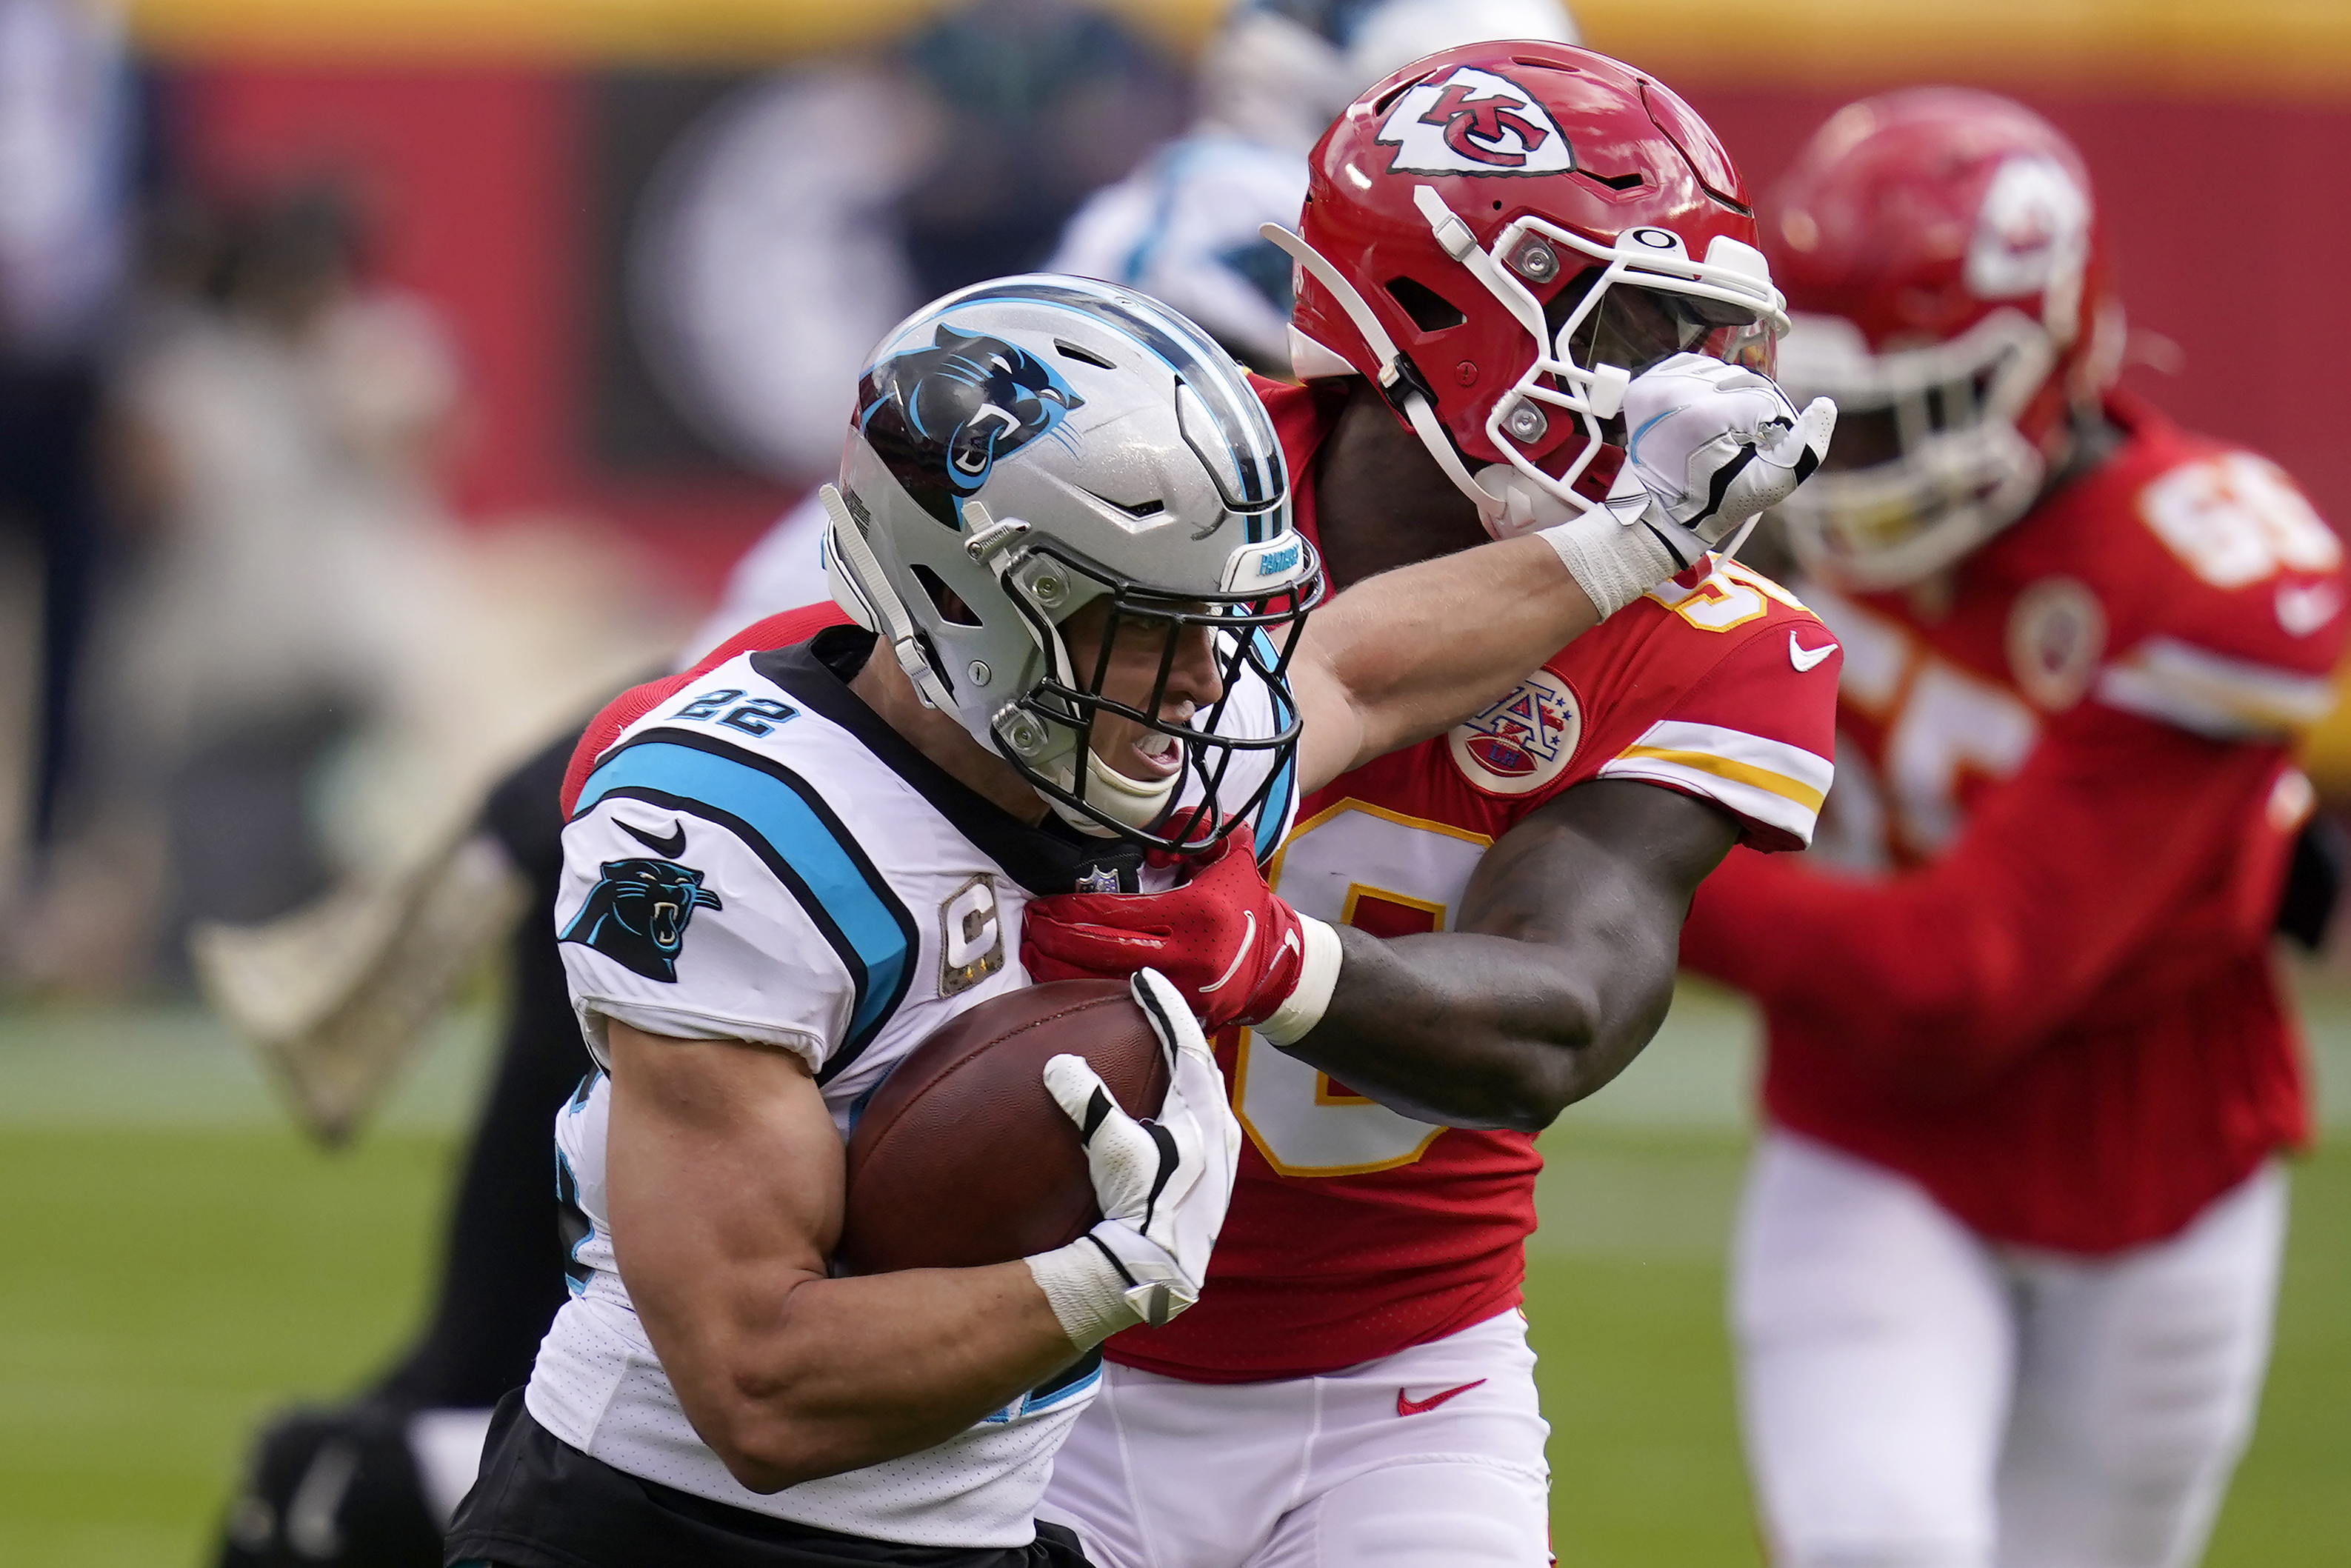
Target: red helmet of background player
point(1502, 235)
point(1949, 290)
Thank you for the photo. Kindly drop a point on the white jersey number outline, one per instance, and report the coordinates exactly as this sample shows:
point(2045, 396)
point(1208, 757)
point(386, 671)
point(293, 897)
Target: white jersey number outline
point(1943, 724)
point(2236, 519)
point(1365, 865)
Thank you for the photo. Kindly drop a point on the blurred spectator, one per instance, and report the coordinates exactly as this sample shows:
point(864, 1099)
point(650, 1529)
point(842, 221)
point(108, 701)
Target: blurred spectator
point(288, 415)
point(812, 209)
point(310, 672)
point(64, 119)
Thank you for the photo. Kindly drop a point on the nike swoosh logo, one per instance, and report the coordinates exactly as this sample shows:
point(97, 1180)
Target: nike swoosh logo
point(1406, 1405)
point(1249, 941)
point(670, 847)
point(1805, 658)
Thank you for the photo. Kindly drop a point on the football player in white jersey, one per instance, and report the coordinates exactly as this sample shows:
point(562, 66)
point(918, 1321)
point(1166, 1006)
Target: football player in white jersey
point(1064, 529)
point(1183, 226)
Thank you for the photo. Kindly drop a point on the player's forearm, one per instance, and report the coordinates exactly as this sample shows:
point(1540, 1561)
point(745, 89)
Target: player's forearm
point(1926, 985)
point(849, 1373)
point(1934, 980)
point(1558, 971)
point(1411, 653)
point(1471, 1031)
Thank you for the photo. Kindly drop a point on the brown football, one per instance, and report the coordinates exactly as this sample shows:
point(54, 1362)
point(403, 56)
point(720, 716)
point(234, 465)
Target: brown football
point(961, 1159)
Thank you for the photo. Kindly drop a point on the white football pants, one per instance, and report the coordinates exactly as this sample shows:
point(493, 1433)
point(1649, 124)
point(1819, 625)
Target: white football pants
point(1432, 1458)
point(1915, 1396)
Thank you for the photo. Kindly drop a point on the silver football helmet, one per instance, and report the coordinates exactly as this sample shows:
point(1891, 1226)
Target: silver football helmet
point(1024, 448)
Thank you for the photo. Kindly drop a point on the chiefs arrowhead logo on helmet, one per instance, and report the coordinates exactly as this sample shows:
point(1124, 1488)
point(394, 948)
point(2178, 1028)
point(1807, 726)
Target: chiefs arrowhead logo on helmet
point(2033, 229)
point(1474, 122)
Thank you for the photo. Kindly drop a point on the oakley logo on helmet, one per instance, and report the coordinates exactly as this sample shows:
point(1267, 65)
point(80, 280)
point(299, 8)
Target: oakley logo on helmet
point(1474, 122)
point(2032, 229)
point(941, 417)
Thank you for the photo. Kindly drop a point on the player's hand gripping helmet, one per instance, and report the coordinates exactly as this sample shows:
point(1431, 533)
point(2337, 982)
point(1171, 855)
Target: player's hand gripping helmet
point(1943, 261)
point(1502, 236)
point(1024, 448)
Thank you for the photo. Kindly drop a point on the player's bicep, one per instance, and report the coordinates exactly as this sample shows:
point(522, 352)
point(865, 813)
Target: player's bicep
point(1608, 859)
point(1333, 734)
point(1602, 878)
point(724, 1182)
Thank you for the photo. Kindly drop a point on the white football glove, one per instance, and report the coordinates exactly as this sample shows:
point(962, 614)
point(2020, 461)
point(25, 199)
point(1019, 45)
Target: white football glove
point(1163, 1184)
point(1712, 445)
point(1715, 443)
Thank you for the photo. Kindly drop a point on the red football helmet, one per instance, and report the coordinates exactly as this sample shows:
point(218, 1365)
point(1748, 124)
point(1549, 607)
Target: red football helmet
point(1950, 288)
point(1501, 236)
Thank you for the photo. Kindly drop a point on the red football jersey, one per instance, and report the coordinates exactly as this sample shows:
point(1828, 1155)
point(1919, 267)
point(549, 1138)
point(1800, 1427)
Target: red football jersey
point(2057, 1013)
point(1355, 1232)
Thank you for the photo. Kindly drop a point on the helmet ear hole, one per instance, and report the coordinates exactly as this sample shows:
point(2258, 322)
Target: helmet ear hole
point(945, 599)
point(1430, 311)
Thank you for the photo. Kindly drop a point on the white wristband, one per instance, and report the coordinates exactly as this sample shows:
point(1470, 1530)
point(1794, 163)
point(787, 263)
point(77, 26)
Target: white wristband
point(1085, 1289)
point(1613, 562)
point(1317, 978)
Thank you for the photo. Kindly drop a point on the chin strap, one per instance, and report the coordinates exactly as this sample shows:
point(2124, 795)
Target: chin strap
point(866, 579)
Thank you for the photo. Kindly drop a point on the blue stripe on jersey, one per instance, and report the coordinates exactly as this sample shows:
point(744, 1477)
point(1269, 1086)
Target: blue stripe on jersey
point(787, 825)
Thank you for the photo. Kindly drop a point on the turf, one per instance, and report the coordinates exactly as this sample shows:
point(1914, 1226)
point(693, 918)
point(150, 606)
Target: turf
point(1627, 1320)
point(177, 1264)
point(165, 1287)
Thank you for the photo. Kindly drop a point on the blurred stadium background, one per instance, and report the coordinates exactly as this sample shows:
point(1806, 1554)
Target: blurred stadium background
point(538, 410)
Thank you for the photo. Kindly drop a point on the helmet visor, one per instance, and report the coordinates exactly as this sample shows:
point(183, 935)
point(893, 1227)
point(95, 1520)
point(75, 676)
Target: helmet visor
point(1635, 326)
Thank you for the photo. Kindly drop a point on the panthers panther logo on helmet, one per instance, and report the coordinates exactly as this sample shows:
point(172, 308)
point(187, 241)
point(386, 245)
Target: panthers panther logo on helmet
point(637, 915)
point(941, 417)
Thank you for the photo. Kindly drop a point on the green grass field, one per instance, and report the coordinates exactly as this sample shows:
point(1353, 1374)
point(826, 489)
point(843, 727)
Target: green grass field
point(177, 1262)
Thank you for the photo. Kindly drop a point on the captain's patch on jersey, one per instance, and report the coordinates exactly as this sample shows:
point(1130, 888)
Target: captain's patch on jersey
point(1474, 122)
point(637, 915)
point(971, 936)
point(1522, 742)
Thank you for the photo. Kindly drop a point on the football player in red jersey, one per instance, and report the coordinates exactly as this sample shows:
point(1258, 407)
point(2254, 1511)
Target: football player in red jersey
point(2003, 1278)
point(1511, 255)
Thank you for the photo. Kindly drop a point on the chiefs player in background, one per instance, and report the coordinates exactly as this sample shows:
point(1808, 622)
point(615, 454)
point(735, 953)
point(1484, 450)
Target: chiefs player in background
point(2004, 1273)
point(1512, 254)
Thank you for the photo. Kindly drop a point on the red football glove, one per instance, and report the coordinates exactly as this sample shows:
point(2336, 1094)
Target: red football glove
point(1234, 950)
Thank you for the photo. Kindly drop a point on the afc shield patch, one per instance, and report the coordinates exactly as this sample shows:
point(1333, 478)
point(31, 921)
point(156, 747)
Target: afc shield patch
point(1523, 742)
point(971, 936)
point(637, 915)
point(2056, 637)
point(1474, 122)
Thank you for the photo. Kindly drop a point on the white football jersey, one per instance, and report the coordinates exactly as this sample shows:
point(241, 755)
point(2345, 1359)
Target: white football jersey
point(762, 858)
point(1183, 228)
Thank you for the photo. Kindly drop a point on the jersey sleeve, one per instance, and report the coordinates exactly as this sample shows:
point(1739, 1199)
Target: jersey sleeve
point(1936, 978)
point(707, 896)
point(2233, 607)
point(779, 631)
point(1754, 735)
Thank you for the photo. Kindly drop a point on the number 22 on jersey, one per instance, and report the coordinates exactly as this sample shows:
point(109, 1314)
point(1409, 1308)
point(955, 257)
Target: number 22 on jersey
point(1385, 873)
